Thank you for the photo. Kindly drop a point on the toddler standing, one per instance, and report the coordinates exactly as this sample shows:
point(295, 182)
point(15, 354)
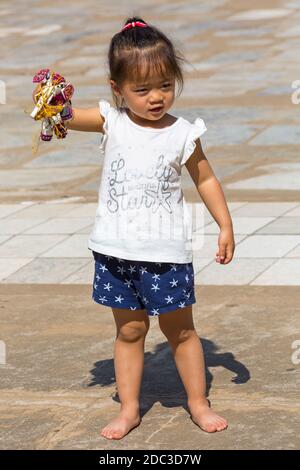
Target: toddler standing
point(141, 240)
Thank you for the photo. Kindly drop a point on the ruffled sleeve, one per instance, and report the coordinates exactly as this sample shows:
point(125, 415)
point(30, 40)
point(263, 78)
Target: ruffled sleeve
point(197, 129)
point(104, 108)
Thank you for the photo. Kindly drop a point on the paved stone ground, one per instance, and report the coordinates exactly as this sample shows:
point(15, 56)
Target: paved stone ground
point(47, 243)
point(57, 385)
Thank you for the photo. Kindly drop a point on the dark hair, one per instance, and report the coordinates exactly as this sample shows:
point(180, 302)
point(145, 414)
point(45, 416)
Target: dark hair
point(140, 52)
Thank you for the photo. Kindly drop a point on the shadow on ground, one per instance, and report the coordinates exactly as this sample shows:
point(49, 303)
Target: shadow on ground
point(161, 381)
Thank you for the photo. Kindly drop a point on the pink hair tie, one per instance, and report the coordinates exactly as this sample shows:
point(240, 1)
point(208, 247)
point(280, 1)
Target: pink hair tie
point(133, 24)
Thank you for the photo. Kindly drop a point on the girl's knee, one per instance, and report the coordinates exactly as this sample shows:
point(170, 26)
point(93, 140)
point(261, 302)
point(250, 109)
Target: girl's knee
point(132, 332)
point(178, 335)
point(177, 325)
point(132, 325)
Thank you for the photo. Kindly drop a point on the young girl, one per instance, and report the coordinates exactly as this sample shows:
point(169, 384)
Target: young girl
point(141, 241)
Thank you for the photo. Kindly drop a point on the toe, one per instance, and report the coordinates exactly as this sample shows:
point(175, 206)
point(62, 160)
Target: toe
point(210, 428)
point(106, 432)
point(221, 422)
point(224, 422)
point(222, 426)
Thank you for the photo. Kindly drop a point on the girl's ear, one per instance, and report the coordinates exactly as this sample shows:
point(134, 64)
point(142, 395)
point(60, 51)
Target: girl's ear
point(115, 88)
point(117, 92)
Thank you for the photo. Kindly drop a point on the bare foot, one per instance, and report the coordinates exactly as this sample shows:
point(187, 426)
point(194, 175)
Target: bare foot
point(205, 418)
point(121, 425)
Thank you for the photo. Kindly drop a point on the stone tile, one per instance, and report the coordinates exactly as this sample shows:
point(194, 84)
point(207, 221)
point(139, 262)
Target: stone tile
point(3, 238)
point(283, 226)
point(198, 214)
point(94, 49)
point(224, 171)
point(34, 63)
point(8, 209)
point(197, 88)
point(80, 139)
point(47, 29)
point(95, 72)
point(10, 266)
point(85, 60)
point(278, 134)
point(34, 178)
point(4, 32)
point(90, 186)
point(187, 32)
point(16, 226)
point(233, 57)
point(28, 245)
point(92, 92)
point(66, 200)
point(200, 263)
point(82, 155)
point(276, 90)
point(234, 206)
point(256, 78)
point(242, 225)
point(286, 45)
point(10, 159)
point(84, 275)
point(44, 210)
point(295, 4)
point(219, 114)
point(75, 246)
point(257, 32)
point(264, 246)
point(46, 271)
point(288, 59)
point(266, 209)
point(9, 139)
point(7, 11)
point(295, 253)
point(294, 212)
point(283, 272)
point(253, 15)
point(61, 225)
point(184, 8)
point(209, 247)
point(84, 210)
point(290, 32)
point(88, 229)
point(237, 272)
point(277, 177)
point(252, 42)
point(232, 134)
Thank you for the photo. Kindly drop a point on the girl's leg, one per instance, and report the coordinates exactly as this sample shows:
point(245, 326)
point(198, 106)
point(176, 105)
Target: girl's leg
point(178, 327)
point(132, 327)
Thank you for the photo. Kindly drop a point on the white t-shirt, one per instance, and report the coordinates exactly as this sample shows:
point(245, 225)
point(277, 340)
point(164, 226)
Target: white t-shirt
point(142, 214)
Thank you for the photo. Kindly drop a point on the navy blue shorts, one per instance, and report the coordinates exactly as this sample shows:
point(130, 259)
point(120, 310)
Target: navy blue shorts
point(156, 287)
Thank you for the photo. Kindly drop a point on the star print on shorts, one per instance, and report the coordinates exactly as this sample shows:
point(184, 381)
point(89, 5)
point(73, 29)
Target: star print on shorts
point(156, 287)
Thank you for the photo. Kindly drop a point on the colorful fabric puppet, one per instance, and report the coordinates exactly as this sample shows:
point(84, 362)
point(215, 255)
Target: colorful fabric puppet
point(53, 104)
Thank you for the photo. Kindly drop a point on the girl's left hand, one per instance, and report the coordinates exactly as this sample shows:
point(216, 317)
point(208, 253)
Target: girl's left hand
point(226, 246)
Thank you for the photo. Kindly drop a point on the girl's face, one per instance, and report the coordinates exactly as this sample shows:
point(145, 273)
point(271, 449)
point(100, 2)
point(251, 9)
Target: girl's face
point(147, 101)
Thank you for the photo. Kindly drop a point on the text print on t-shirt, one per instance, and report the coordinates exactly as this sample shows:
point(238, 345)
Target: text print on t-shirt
point(144, 191)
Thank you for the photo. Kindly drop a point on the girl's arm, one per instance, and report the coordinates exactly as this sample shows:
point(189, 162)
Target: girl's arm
point(210, 191)
point(89, 119)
